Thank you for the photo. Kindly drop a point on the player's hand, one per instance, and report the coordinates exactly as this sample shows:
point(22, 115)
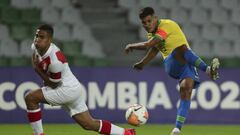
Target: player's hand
point(138, 66)
point(35, 61)
point(128, 48)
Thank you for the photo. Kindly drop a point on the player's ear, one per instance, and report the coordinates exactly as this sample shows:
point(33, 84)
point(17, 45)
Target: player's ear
point(155, 17)
point(50, 38)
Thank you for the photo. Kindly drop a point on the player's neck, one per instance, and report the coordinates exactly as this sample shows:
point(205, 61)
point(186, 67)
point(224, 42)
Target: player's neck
point(158, 22)
point(42, 52)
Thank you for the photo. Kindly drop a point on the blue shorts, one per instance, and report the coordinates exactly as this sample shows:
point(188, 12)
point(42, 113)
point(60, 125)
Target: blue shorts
point(180, 71)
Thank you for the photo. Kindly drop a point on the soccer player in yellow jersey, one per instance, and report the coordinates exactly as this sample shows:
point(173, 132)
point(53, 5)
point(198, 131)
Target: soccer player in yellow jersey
point(180, 62)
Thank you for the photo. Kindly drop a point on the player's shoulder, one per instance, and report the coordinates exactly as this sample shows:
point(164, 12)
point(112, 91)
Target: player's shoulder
point(54, 47)
point(57, 55)
point(167, 21)
point(168, 25)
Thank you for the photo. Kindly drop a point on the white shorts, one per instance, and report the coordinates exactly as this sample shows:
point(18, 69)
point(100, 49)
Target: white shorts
point(69, 98)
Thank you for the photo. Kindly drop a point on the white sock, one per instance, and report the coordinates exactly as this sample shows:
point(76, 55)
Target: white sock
point(35, 120)
point(37, 127)
point(116, 130)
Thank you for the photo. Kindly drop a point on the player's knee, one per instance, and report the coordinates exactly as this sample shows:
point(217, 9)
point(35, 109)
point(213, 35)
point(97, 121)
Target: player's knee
point(185, 91)
point(186, 88)
point(29, 97)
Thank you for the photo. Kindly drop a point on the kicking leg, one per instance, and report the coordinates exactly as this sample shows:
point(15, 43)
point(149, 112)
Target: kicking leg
point(86, 121)
point(194, 60)
point(32, 100)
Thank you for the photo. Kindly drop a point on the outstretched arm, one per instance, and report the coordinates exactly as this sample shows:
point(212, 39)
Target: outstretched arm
point(153, 51)
point(142, 45)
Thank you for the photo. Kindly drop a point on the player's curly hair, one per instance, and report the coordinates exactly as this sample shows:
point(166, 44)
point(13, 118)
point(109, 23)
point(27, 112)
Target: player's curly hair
point(145, 12)
point(46, 27)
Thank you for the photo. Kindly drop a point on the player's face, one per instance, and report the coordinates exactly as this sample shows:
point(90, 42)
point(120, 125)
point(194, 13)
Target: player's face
point(149, 23)
point(42, 40)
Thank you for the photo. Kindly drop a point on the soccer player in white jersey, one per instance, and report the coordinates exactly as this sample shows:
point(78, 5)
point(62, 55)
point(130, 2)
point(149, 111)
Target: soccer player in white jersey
point(60, 88)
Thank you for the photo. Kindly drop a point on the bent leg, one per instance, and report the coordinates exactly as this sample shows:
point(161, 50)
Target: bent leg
point(86, 121)
point(78, 110)
point(195, 60)
point(32, 100)
point(183, 53)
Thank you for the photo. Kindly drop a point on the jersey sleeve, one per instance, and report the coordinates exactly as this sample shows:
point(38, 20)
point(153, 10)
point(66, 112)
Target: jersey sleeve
point(55, 71)
point(162, 35)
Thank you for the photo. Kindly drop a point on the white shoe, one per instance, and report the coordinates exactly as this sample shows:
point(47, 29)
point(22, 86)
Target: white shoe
point(175, 131)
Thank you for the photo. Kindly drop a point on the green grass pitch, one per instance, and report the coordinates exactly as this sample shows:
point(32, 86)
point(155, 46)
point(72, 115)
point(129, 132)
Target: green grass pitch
point(148, 129)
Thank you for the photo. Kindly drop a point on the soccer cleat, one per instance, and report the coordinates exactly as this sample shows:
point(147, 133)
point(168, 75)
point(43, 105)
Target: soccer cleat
point(175, 131)
point(130, 131)
point(214, 69)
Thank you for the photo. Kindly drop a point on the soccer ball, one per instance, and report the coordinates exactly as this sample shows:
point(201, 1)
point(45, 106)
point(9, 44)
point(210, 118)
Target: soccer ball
point(136, 115)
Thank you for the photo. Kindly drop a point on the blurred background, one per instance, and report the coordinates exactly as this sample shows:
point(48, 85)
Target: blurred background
point(93, 34)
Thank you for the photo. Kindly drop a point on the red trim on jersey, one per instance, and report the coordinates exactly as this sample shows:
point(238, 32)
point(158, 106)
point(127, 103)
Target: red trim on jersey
point(45, 63)
point(106, 127)
point(61, 57)
point(162, 33)
point(34, 116)
point(57, 75)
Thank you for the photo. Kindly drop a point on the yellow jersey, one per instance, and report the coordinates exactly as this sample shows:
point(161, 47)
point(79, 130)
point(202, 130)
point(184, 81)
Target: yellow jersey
point(171, 36)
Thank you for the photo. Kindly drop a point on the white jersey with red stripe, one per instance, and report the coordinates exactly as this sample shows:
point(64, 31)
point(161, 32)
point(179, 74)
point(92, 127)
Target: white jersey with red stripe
point(54, 63)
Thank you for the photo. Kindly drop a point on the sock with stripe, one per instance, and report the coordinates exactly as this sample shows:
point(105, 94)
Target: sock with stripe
point(107, 128)
point(182, 113)
point(35, 119)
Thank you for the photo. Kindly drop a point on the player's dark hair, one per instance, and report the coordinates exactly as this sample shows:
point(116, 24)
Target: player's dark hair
point(46, 27)
point(145, 12)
